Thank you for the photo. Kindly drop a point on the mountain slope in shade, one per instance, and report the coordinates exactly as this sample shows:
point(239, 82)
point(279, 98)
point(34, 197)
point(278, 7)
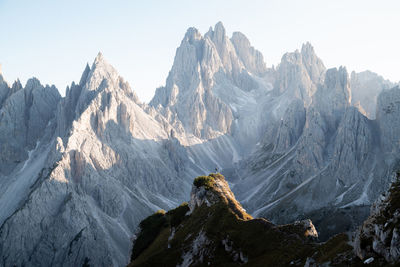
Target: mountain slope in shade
point(334, 159)
point(24, 115)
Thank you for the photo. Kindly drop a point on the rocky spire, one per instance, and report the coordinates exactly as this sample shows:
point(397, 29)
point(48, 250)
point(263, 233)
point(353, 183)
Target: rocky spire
point(85, 75)
point(365, 88)
point(334, 96)
point(252, 59)
point(388, 118)
point(313, 64)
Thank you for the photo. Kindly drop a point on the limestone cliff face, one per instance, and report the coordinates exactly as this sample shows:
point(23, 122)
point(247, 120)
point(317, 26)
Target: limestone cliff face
point(291, 126)
point(252, 59)
point(107, 166)
point(299, 73)
point(325, 155)
point(379, 236)
point(204, 69)
point(188, 89)
point(365, 88)
point(24, 116)
point(387, 116)
point(334, 96)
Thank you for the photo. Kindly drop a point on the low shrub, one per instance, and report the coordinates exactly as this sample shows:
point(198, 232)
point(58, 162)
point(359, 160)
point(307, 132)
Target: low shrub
point(150, 228)
point(206, 181)
point(177, 215)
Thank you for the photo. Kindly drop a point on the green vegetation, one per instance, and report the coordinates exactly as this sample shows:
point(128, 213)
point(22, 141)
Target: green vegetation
point(206, 181)
point(177, 215)
point(251, 242)
point(150, 228)
point(330, 250)
point(259, 240)
point(153, 226)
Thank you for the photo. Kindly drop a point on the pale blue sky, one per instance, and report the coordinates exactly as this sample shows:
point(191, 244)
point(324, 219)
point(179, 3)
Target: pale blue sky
point(53, 40)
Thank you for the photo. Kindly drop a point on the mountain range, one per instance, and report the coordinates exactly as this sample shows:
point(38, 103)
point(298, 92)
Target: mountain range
point(79, 173)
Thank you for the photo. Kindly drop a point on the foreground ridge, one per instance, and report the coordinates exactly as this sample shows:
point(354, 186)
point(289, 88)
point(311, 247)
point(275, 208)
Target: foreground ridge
point(213, 229)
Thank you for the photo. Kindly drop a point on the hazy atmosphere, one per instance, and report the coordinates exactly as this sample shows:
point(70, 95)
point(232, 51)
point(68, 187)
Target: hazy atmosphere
point(52, 40)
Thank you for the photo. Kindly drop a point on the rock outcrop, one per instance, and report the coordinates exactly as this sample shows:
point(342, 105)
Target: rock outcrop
point(365, 88)
point(24, 116)
point(215, 230)
point(379, 236)
point(387, 116)
point(299, 73)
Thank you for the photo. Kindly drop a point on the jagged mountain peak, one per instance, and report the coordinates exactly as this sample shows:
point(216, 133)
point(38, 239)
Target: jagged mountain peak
point(307, 48)
point(100, 70)
point(251, 58)
point(102, 75)
point(84, 75)
point(218, 29)
point(218, 33)
point(314, 65)
point(99, 81)
point(334, 95)
point(337, 75)
point(340, 77)
point(192, 34)
point(17, 84)
point(32, 82)
point(365, 88)
point(101, 65)
point(99, 58)
point(306, 55)
point(299, 73)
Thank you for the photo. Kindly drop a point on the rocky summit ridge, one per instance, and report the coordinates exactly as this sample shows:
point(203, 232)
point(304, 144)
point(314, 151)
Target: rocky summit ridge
point(213, 229)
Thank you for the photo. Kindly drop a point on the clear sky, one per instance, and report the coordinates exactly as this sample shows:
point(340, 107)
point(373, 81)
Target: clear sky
point(53, 40)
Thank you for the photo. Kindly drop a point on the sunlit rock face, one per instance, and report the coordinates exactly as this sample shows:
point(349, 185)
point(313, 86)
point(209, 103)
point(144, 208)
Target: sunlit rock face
point(212, 81)
point(365, 88)
point(299, 73)
point(334, 159)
